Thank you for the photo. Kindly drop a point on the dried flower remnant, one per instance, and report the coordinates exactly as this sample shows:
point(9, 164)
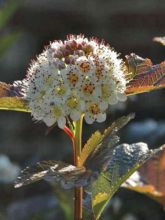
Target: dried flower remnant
point(74, 77)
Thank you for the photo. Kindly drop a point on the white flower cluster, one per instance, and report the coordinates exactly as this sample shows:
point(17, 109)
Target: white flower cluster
point(75, 77)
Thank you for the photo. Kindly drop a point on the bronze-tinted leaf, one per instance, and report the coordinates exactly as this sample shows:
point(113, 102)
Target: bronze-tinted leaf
point(4, 89)
point(160, 40)
point(67, 175)
point(135, 64)
point(143, 75)
point(97, 151)
point(150, 179)
point(125, 160)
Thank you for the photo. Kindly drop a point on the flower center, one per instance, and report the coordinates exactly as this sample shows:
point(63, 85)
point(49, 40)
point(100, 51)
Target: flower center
point(73, 78)
point(60, 90)
point(105, 91)
point(94, 109)
point(88, 88)
point(99, 70)
point(85, 67)
point(72, 103)
point(57, 111)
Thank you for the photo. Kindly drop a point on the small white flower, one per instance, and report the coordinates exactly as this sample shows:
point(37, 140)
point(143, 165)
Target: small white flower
point(95, 111)
point(74, 77)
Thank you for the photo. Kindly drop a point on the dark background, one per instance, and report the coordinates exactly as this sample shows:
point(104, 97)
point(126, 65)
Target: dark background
point(129, 26)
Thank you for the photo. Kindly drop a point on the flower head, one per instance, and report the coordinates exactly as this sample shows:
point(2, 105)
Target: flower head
point(75, 77)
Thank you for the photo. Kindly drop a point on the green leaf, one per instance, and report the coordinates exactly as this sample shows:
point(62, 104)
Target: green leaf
point(14, 104)
point(7, 12)
point(7, 40)
point(126, 159)
point(93, 141)
point(98, 140)
point(10, 99)
point(64, 200)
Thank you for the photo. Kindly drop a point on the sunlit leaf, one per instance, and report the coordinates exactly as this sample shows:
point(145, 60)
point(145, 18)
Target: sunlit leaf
point(150, 178)
point(67, 175)
point(70, 176)
point(14, 104)
point(160, 40)
point(106, 167)
point(143, 75)
point(126, 159)
point(10, 98)
point(98, 141)
point(94, 140)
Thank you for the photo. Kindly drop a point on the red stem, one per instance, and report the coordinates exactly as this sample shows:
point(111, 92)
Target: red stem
point(79, 190)
point(69, 132)
point(71, 135)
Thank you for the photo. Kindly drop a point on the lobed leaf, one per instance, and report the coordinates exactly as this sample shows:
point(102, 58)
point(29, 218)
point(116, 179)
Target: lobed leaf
point(67, 175)
point(97, 150)
point(150, 178)
point(143, 75)
point(99, 144)
point(106, 167)
point(126, 159)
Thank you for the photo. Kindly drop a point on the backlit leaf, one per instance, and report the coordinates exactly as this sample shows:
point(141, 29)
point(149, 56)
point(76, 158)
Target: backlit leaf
point(10, 98)
point(126, 159)
point(105, 169)
point(94, 140)
point(143, 75)
point(103, 152)
point(98, 143)
point(14, 104)
point(96, 152)
point(67, 175)
point(150, 178)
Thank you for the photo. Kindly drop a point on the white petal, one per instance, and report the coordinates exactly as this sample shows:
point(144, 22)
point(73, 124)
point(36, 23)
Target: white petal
point(101, 117)
point(88, 119)
point(75, 115)
point(82, 105)
point(122, 97)
point(61, 122)
point(46, 75)
point(49, 121)
point(103, 105)
point(113, 100)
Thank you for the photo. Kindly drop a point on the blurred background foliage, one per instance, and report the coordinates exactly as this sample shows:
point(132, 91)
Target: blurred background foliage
point(25, 27)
